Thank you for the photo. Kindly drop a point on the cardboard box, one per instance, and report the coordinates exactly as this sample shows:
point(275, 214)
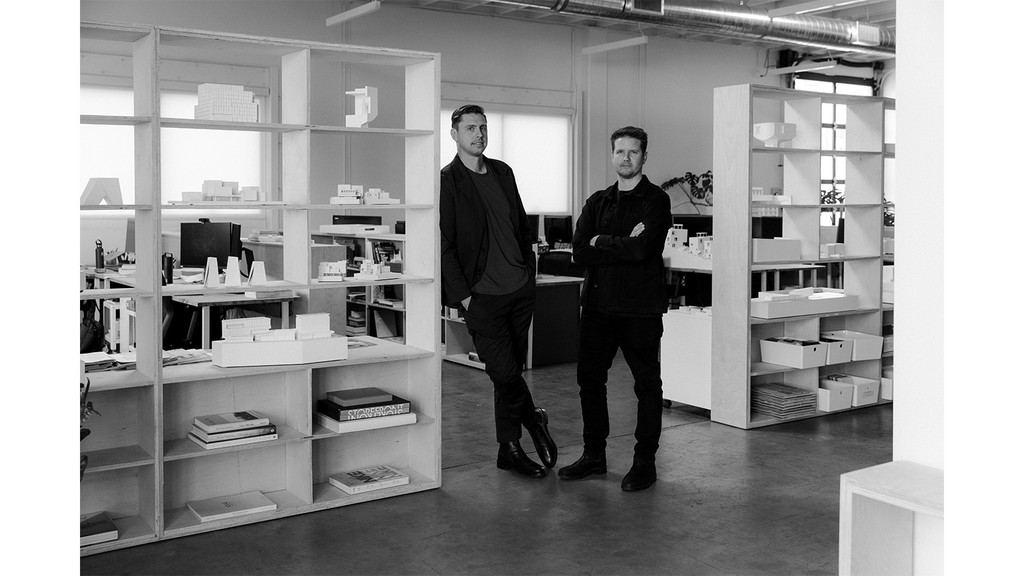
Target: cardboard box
point(274, 353)
point(834, 396)
point(793, 352)
point(776, 250)
point(865, 390)
point(865, 346)
point(838, 350)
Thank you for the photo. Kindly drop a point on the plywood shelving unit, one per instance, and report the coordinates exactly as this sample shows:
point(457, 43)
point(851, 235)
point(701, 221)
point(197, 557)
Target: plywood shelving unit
point(142, 468)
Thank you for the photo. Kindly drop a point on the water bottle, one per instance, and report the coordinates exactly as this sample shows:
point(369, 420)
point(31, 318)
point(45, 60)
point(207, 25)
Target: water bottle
point(99, 256)
point(168, 263)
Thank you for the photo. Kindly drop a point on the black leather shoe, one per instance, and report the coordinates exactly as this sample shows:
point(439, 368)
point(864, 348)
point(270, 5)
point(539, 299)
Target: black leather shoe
point(586, 465)
point(512, 457)
point(538, 429)
point(639, 477)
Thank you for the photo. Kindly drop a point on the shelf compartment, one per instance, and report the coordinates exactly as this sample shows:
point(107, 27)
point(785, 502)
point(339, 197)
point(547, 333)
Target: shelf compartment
point(108, 459)
point(382, 351)
point(181, 448)
point(131, 530)
point(325, 495)
point(180, 521)
point(758, 420)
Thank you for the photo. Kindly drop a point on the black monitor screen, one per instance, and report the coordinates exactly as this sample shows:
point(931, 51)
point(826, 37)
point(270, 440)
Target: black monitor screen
point(558, 229)
point(534, 226)
point(202, 240)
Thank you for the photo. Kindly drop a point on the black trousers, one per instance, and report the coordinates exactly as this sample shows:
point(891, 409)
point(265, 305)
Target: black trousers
point(601, 336)
point(500, 327)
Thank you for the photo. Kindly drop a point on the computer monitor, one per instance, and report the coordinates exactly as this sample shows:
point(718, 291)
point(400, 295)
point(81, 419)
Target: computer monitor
point(534, 227)
point(558, 229)
point(205, 239)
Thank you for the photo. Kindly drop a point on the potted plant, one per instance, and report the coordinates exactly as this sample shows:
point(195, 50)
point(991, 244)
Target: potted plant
point(697, 191)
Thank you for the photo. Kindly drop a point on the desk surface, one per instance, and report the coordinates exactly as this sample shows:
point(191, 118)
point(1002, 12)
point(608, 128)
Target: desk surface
point(231, 299)
point(552, 280)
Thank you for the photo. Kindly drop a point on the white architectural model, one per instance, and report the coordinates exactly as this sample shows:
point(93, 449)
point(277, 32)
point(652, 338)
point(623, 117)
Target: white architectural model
point(332, 271)
point(366, 107)
point(226, 102)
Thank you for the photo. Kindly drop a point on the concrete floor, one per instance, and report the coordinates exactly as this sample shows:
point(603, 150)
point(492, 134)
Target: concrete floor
point(727, 501)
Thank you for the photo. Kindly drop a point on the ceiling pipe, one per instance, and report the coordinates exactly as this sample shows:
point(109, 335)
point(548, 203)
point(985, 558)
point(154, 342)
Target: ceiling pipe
point(733, 20)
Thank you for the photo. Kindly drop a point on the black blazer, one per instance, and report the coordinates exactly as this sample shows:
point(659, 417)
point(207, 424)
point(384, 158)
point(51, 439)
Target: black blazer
point(464, 241)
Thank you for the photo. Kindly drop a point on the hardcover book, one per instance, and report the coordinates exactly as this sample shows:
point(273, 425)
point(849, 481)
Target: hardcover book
point(230, 443)
point(367, 479)
point(358, 397)
point(223, 507)
point(233, 434)
point(96, 528)
point(361, 424)
point(390, 407)
point(228, 421)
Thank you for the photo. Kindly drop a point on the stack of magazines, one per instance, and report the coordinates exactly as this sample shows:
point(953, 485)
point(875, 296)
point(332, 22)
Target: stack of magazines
point(231, 429)
point(782, 401)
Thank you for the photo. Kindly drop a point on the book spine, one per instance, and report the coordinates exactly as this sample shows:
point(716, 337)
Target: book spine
point(340, 414)
point(360, 488)
point(234, 434)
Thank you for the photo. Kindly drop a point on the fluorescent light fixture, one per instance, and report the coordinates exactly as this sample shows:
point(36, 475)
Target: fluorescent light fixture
point(347, 15)
point(615, 45)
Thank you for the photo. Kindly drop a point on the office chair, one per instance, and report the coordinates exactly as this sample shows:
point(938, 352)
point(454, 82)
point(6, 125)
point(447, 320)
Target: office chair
point(554, 263)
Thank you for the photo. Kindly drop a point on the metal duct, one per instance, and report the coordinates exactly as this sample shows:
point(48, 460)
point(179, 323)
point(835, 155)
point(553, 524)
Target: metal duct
point(706, 16)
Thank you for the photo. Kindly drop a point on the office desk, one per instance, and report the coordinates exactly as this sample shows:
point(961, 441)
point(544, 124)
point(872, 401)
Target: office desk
point(206, 301)
point(554, 332)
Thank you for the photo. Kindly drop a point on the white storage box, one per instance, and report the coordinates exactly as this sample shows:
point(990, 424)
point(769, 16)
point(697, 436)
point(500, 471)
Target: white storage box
point(776, 249)
point(838, 350)
point(233, 354)
point(823, 300)
point(885, 390)
point(834, 396)
point(793, 352)
point(865, 390)
point(865, 346)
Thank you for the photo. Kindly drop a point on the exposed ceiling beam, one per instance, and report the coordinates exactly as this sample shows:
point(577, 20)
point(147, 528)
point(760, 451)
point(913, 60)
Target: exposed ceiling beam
point(354, 13)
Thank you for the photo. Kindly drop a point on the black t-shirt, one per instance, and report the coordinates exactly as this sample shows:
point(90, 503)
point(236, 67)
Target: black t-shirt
point(505, 271)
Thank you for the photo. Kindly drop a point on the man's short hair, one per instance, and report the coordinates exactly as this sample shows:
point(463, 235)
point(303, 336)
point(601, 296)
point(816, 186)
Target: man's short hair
point(463, 110)
point(631, 132)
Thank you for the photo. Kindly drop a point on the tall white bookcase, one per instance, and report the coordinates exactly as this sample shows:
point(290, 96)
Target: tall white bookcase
point(741, 163)
point(142, 469)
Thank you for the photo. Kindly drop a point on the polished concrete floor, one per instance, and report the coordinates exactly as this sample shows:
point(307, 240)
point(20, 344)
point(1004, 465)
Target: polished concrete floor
point(727, 501)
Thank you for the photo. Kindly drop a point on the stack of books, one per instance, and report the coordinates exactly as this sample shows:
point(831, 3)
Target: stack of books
point(363, 408)
point(782, 401)
point(367, 479)
point(356, 323)
point(231, 429)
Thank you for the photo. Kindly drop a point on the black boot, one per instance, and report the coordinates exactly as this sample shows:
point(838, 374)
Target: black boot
point(587, 464)
point(640, 476)
point(538, 429)
point(512, 457)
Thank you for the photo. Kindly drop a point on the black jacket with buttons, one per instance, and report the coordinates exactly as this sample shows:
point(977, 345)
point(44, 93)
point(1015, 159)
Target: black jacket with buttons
point(463, 222)
point(625, 275)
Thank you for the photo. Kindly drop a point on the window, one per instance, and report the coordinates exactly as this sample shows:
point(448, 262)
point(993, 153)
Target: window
point(188, 156)
point(536, 146)
point(833, 134)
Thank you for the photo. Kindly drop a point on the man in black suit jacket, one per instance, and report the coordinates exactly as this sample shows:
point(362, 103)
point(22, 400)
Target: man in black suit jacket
point(488, 271)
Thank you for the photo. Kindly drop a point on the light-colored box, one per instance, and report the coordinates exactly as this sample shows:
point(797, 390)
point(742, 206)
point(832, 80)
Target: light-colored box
point(865, 346)
point(834, 396)
point(885, 389)
point(865, 390)
point(232, 354)
point(794, 353)
point(314, 322)
point(824, 300)
point(776, 249)
point(838, 350)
